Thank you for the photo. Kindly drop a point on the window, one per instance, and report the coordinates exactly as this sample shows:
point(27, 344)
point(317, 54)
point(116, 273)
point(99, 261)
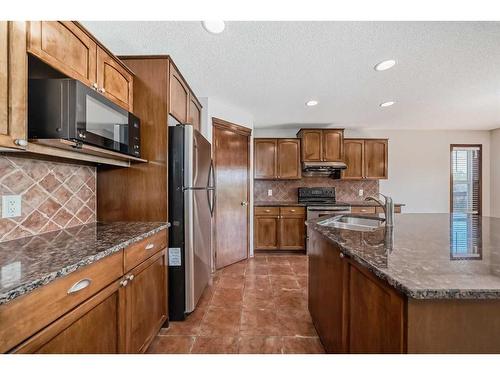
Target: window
point(465, 187)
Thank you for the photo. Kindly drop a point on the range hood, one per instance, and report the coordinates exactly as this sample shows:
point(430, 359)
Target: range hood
point(323, 168)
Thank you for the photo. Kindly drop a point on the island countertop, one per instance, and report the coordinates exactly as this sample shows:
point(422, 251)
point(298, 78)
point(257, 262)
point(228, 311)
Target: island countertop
point(31, 262)
point(428, 256)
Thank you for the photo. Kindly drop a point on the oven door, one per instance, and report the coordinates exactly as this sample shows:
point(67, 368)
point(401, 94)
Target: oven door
point(100, 122)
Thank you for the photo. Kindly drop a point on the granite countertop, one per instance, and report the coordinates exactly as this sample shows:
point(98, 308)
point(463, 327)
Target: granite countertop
point(429, 256)
point(31, 262)
point(295, 203)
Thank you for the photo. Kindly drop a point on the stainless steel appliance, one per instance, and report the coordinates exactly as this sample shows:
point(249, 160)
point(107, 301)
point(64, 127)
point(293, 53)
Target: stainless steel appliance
point(330, 169)
point(320, 201)
point(191, 194)
point(64, 108)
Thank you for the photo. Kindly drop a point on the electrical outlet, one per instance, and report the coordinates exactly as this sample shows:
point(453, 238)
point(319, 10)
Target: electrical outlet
point(11, 206)
point(270, 193)
point(361, 192)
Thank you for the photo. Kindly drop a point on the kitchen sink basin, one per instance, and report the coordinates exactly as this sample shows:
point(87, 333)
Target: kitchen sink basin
point(358, 223)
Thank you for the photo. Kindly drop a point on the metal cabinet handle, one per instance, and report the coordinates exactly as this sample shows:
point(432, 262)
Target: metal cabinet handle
point(103, 90)
point(79, 285)
point(292, 210)
point(267, 210)
point(94, 86)
point(123, 283)
point(21, 142)
point(149, 246)
point(130, 277)
point(342, 255)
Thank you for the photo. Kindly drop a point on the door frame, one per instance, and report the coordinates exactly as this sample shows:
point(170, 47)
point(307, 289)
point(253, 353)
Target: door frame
point(218, 123)
point(480, 146)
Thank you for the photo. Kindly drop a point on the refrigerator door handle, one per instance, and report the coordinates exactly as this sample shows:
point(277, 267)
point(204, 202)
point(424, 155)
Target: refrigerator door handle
point(211, 187)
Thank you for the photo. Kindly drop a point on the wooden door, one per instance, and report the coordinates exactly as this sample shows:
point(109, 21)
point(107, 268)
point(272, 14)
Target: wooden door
point(292, 233)
point(333, 145)
point(231, 155)
point(374, 314)
point(94, 327)
point(65, 47)
point(13, 84)
point(376, 158)
point(179, 96)
point(194, 117)
point(265, 158)
point(146, 302)
point(289, 159)
point(266, 232)
point(354, 158)
point(113, 80)
point(311, 145)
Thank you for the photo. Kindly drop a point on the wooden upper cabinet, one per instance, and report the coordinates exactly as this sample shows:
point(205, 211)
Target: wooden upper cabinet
point(114, 81)
point(265, 158)
point(312, 141)
point(289, 159)
point(66, 47)
point(179, 96)
point(333, 145)
point(13, 84)
point(194, 117)
point(376, 158)
point(353, 156)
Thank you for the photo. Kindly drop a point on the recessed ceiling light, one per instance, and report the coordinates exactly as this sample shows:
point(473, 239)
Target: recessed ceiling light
point(387, 104)
point(214, 27)
point(312, 103)
point(384, 65)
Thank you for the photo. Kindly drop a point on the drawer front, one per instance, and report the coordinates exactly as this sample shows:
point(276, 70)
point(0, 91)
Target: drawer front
point(397, 210)
point(293, 211)
point(23, 317)
point(363, 210)
point(142, 250)
point(267, 211)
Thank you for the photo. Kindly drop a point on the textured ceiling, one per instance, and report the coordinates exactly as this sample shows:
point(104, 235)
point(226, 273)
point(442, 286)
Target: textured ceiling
point(447, 76)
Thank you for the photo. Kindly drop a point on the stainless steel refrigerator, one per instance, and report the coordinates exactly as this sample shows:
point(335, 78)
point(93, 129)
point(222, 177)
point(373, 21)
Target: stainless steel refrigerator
point(191, 203)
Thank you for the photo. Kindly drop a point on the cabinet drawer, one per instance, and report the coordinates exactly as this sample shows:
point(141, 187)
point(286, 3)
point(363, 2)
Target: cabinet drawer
point(142, 250)
point(24, 316)
point(266, 211)
point(363, 210)
point(293, 211)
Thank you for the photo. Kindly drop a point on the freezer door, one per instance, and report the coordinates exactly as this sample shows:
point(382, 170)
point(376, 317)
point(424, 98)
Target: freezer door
point(198, 159)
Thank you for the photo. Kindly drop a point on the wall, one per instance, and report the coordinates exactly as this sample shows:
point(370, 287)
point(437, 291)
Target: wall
point(54, 195)
point(419, 164)
point(495, 172)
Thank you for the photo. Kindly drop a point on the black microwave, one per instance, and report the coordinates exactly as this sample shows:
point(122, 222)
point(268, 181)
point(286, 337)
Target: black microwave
point(67, 109)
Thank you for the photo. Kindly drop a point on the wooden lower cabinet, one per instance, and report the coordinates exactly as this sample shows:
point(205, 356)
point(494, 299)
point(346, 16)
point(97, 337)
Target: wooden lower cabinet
point(280, 228)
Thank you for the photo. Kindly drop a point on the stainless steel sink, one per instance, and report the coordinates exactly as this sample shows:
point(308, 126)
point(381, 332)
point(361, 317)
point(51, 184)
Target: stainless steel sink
point(358, 223)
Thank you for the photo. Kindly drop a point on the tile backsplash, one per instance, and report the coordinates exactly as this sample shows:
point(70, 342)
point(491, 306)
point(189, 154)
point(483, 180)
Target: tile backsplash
point(54, 195)
point(286, 190)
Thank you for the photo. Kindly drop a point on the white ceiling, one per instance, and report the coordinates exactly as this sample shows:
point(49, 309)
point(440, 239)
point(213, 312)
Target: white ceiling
point(447, 75)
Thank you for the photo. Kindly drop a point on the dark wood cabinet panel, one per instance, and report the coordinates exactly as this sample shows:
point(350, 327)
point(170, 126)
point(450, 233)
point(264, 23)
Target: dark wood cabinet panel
point(289, 159)
point(312, 141)
point(292, 233)
point(376, 158)
point(146, 304)
point(266, 232)
point(179, 96)
point(265, 158)
point(194, 117)
point(353, 157)
point(333, 145)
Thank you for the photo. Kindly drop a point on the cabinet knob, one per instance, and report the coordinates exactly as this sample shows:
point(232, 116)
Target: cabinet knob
point(21, 142)
point(342, 255)
point(130, 277)
point(123, 283)
point(292, 210)
point(94, 86)
point(103, 90)
point(267, 210)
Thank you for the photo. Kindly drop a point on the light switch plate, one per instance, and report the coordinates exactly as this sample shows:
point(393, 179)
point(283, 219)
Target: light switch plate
point(270, 193)
point(11, 206)
point(361, 192)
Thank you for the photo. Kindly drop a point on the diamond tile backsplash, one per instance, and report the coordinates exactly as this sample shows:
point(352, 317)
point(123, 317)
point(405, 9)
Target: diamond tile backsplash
point(286, 190)
point(54, 195)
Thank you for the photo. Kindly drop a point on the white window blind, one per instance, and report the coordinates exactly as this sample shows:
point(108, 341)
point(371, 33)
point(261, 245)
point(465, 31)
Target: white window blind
point(466, 179)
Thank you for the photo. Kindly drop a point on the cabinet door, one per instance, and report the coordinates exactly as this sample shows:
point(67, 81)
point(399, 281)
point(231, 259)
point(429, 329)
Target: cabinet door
point(65, 47)
point(292, 233)
point(353, 156)
point(194, 112)
point(311, 145)
point(289, 159)
point(333, 145)
point(94, 327)
point(266, 232)
point(374, 314)
point(13, 84)
point(265, 158)
point(113, 80)
point(146, 302)
point(179, 96)
point(376, 158)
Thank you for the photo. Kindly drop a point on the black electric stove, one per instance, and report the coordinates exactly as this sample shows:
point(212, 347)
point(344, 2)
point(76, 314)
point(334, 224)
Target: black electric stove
point(317, 196)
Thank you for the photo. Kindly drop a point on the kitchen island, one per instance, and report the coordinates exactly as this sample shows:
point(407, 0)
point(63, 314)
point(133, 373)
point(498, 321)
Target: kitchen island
point(431, 284)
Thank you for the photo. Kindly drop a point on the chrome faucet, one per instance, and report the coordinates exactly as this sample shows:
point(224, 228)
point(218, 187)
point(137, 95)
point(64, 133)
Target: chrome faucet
point(388, 207)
